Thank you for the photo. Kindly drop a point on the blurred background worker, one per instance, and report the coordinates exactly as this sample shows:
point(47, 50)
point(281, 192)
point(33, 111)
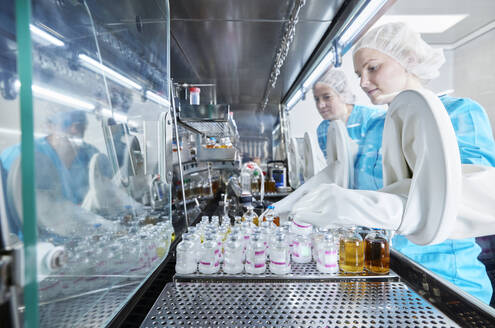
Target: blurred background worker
point(63, 154)
point(388, 60)
point(335, 101)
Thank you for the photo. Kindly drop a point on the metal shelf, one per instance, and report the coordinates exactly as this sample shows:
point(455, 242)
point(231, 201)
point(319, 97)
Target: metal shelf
point(293, 304)
point(208, 120)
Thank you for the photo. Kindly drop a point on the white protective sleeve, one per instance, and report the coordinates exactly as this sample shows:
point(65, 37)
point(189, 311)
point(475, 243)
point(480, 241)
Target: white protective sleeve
point(339, 169)
point(341, 154)
point(418, 138)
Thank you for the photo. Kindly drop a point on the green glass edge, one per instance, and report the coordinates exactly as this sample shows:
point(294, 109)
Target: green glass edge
point(24, 67)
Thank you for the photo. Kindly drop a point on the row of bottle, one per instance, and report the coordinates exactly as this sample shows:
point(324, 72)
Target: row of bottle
point(355, 253)
point(133, 250)
point(199, 188)
point(255, 184)
point(213, 143)
point(292, 240)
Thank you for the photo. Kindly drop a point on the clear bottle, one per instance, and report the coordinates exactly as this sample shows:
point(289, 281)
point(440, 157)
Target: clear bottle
point(237, 220)
point(289, 235)
point(219, 239)
point(255, 255)
point(209, 262)
point(270, 216)
point(250, 216)
point(327, 261)
point(168, 223)
point(266, 233)
point(301, 245)
point(195, 237)
point(246, 231)
point(316, 238)
point(280, 255)
point(377, 252)
point(351, 253)
point(186, 256)
point(215, 220)
point(233, 258)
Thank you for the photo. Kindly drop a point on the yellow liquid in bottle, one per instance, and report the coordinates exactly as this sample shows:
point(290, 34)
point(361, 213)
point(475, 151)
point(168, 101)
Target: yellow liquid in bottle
point(377, 256)
point(351, 255)
point(173, 236)
point(256, 221)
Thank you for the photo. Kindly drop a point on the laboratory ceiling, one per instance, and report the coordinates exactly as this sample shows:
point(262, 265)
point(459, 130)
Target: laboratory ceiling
point(480, 13)
point(233, 44)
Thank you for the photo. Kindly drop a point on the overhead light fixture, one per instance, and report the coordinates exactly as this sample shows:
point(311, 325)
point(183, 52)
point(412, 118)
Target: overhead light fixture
point(156, 98)
point(294, 99)
point(61, 98)
point(368, 12)
point(45, 36)
point(320, 68)
point(115, 115)
point(95, 66)
point(426, 24)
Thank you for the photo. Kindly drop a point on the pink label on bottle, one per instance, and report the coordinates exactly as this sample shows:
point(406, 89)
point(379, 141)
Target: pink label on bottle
point(330, 252)
point(216, 251)
point(330, 265)
point(295, 254)
point(247, 262)
point(301, 225)
point(246, 237)
point(217, 264)
point(259, 253)
point(259, 265)
point(278, 263)
point(295, 243)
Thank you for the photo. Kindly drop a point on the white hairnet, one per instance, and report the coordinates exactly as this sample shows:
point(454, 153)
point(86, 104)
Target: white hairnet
point(406, 46)
point(337, 80)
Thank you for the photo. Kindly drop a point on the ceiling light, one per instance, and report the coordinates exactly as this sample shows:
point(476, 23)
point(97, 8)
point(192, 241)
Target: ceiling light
point(294, 99)
point(115, 115)
point(426, 24)
point(322, 66)
point(61, 98)
point(360, 21)
point(95, 66)
point(47, 37)
point(156, 98)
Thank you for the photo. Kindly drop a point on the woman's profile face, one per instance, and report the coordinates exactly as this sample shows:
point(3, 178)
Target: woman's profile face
point(382, 77)
point(328, 102)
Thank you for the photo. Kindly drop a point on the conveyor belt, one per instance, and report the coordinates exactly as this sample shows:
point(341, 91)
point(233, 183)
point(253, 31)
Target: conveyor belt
point(294, 304)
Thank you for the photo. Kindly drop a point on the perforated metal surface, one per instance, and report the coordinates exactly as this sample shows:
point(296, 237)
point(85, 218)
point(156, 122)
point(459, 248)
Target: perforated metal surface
point(323, 304)
point(92, 310)
point(299, 271)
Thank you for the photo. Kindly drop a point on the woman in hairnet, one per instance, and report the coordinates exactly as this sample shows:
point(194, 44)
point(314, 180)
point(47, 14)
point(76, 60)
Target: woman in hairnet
point(62, 154)
point(390, 59)
point(335, 101)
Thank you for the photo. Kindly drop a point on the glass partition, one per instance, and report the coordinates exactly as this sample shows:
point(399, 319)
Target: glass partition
point(100, 85)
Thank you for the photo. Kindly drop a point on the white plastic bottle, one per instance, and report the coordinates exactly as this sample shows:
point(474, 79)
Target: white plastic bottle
point(209, 262)
point(232, 263)
point(255, 255)
point(301, 246)
point(280, 255)
point(327, 255)
point(186, 256)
